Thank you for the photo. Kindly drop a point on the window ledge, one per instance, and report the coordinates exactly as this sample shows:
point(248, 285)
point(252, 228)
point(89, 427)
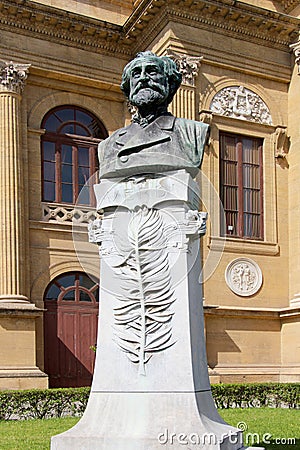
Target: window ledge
point(236, 245)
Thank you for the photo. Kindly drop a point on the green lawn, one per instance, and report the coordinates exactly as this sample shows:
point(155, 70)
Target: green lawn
point(269, 424)
point(273, 423)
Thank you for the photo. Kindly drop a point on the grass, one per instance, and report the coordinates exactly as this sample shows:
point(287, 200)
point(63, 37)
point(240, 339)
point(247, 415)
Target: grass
point(271, 423)
point(32, 434)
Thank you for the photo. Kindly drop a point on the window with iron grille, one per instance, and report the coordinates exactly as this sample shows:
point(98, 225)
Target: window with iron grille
point(69, 155)
point(241, 185)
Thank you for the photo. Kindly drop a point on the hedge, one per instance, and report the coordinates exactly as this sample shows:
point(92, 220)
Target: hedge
point(43, 403)
point(47, 403)
point(276, 395)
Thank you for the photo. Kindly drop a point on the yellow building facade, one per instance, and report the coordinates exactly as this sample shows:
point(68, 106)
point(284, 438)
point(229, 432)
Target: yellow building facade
point(61, 66)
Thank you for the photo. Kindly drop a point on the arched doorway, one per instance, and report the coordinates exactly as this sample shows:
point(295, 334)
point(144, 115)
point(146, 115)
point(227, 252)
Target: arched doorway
point(70, 329)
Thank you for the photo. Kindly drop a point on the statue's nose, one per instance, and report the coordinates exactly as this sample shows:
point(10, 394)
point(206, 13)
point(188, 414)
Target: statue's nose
point(144, 75)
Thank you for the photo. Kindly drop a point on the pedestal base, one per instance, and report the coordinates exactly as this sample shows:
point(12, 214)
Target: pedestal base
point(13, 299)
point(22, 378)
point(128, 421)
point(18, 368)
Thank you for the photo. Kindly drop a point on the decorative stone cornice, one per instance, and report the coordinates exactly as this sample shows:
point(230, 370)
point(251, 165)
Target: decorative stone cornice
point(187, 65)
point(13, 76)
point(289, 5)
point(56, 25)
point(229, 17)
point(296, 49)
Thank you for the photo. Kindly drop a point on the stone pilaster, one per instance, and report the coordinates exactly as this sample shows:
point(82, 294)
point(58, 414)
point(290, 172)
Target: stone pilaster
point(184, 103)
point(294, 191)
point(12, 249)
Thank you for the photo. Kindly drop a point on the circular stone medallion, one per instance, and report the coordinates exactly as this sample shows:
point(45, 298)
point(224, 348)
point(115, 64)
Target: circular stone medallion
point(243, 276)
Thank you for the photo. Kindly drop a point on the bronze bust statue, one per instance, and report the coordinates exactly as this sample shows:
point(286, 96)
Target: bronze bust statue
point(155, 141)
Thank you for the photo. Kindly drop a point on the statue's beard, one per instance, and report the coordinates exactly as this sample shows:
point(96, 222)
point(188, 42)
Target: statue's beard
point(147, 96)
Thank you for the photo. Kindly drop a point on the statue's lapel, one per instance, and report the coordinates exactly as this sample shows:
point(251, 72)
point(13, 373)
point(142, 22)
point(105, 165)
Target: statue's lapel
point(134, 138)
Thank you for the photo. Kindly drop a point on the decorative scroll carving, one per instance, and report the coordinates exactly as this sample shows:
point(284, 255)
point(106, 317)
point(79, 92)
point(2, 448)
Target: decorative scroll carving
point(195, 223)
point(188, 66)
point(64, 214)
point(13, 76)
point(296, 49)
point(241, 103)
point(194, 226)
point(206, 117)
point(104, 238)
point(281, 142)
point(143, 319)
point(243, 276)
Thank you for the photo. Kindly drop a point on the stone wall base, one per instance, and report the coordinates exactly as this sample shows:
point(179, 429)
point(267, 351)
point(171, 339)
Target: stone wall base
point(18, 368)
point(258, 374)
point(25, 378)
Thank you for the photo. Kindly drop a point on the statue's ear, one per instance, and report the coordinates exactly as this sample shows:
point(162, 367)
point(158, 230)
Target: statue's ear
point(173, 86)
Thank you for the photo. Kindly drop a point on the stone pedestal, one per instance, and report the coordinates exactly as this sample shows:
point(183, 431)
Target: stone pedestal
point(151, 388)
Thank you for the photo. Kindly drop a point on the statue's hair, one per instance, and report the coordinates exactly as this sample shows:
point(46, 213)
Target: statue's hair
point(170, 69)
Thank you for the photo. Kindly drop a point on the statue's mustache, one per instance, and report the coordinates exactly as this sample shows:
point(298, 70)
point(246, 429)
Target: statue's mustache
point(147, 85)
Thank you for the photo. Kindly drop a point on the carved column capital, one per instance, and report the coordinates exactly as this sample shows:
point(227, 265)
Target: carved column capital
point(188, 66)
point(13, 76)
point(296, 49)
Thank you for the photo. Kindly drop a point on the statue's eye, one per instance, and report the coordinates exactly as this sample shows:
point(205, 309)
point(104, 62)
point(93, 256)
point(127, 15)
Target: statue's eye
point(152, 71)
point(135, 73)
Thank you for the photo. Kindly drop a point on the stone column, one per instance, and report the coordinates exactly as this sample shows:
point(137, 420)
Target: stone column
point(12, 254)
point(184, 103)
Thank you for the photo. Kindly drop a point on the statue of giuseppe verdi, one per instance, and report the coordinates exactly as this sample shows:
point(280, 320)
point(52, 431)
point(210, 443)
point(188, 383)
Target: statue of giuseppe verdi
point(155, 141)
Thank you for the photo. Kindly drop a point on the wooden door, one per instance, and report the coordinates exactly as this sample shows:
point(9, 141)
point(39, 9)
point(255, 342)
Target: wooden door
point(70, 330)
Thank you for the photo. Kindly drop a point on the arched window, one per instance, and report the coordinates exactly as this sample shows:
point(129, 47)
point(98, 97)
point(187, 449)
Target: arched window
point(70, 329)
point(74, 286)
point(69, 154)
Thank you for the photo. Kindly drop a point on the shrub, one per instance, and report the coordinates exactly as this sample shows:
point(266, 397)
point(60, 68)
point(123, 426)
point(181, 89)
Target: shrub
point(43, 404)
point(257, 395)
point(46, 403)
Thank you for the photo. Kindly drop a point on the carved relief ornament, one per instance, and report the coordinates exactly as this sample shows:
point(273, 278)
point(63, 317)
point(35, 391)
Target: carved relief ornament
point(243, 276)
point(143, 314)
point(13, 76)
point(241, 103)
point(187, 65)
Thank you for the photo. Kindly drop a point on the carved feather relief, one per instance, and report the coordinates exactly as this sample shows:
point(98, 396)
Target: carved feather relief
point(143, 319)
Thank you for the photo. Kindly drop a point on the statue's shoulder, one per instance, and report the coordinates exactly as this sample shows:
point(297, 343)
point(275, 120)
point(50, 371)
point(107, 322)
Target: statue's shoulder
point(192, 131)
point(191, 125)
